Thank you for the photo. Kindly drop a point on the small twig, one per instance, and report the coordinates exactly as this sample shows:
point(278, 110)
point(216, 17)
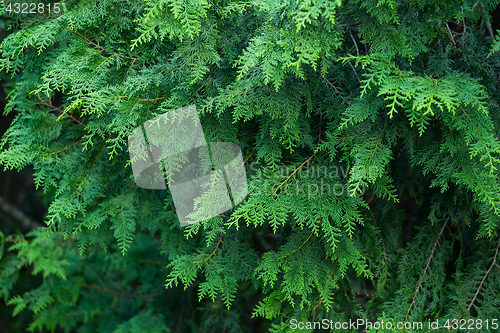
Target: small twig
point(17, 215)
point(382, 238)
point(494, 263)
point(246, 160)
point(355, 72)
point(70, 116)
point(484, 277)
point(365, 297)
point(321, 301)
point(66, 114)
point(450, 34)
point(143, 99)
point(320, 120)
point(299, 246)
point(426, 267)
point(368, 203)
point(402, 150)
point(155, 262)
point(210, 256)
point(488, 24)
point(300, 166)
point(344, 25)
point(120, 294)
point(102, 48)
point(355, 44)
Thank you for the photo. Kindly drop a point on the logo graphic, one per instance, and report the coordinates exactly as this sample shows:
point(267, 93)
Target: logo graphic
point(204, 180)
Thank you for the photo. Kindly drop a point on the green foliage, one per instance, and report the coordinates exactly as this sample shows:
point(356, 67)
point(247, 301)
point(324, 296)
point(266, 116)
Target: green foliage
point(343, 111)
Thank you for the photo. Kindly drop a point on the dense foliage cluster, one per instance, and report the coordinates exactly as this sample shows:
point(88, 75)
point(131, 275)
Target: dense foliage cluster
point(369, 129)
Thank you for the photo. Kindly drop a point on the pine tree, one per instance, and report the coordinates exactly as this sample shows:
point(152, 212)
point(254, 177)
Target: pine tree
point(341, 110)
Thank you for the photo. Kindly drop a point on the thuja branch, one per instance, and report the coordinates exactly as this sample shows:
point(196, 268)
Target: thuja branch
point(381, 237)
point(493, 263)
point(283, 256)
point(17, 215)
point(102, 48)
point(120, 294)
point(143, 99)
point(300, 166)
point(426, 267)
point(63, 113)
point(210, 256)
point(264, 201)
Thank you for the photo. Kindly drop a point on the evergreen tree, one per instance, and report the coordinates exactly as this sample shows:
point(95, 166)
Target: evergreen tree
point(344, 111)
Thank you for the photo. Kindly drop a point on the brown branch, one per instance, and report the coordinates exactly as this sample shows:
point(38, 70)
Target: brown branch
point(68, 115)
point(488, 24)
point(484, 277)
point(119, 294)
point(494, 263)
point(355, 44)
point(321, 301)
point(354, 70)
point(143, 99)
point(73, 118)
point(344, 25)
point(300, 166)
point(335, 89)
point(17, 215)
point(402, 150)
point(102, 48)
point(426, 267)
point(155, 262)
point(450, 34)
point(299, 246)
point(382, 238)
point(368, 203)
point(210, 256)
point(367, 296)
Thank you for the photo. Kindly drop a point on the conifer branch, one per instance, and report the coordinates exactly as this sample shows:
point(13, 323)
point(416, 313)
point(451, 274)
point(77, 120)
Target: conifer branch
point(425, 269)
point(321, 301)
point(293, 173)
point(61, 150)
point(16, 214)
point(488, 24)
point(119, 294)
point(102, 48)
point(371, 198)
point(65, 114)
point(210, 256)
point(402, 151)
point(354, 70)
point(345, 25)
point(155, 262)
point(143, 99)
point(355, 44)
point(450, 34)
point(342, 97)
point(97, 276)
point(299, 246)
point(493, 263)
point(382, 238)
